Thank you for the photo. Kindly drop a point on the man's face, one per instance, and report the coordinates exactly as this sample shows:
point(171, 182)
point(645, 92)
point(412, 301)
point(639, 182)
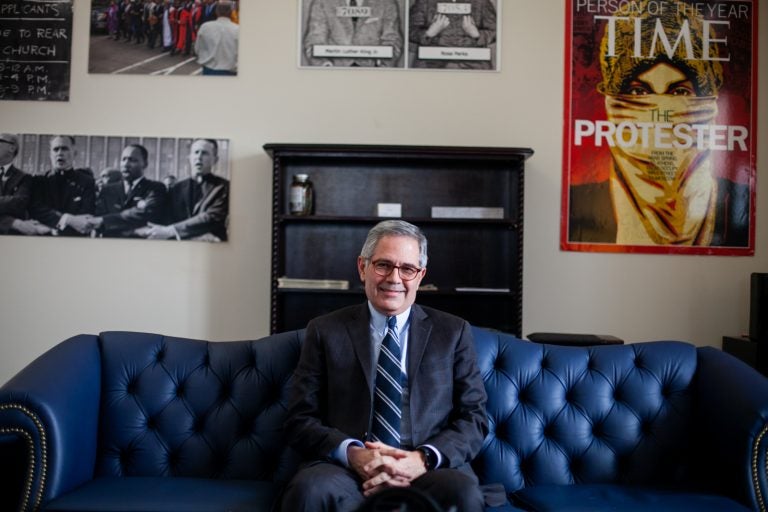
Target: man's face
point(62, 153)
point(391, 295)
point(132, 164)
point(202, 157)
point(7, 151)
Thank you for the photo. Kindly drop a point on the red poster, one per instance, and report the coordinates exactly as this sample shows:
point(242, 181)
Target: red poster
point(659, 143)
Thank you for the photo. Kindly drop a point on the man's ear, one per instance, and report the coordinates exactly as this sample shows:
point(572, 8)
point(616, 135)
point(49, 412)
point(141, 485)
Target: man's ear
point(361, 268)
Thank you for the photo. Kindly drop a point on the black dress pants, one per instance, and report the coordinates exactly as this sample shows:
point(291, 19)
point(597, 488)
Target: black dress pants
point(327, 487)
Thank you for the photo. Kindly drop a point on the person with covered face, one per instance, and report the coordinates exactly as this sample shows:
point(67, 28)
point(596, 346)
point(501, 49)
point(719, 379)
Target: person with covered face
point(199, 204)
point(668, 195)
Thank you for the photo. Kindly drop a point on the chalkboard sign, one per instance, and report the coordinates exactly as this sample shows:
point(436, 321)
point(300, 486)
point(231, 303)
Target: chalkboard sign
point(35, 49)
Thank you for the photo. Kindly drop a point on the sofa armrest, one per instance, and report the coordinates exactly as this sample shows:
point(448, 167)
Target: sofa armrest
point(732, 443)
point(51, 409)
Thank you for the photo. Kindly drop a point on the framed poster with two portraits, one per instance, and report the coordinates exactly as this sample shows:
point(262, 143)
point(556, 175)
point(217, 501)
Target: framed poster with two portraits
point(660, 113)
point(400, 34)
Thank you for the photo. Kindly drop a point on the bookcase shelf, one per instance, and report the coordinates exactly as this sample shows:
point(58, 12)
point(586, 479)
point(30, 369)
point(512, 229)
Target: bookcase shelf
point(349, 180)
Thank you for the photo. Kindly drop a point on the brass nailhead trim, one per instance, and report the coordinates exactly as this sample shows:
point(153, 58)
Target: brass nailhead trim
point(43, 455)
point(755, 475)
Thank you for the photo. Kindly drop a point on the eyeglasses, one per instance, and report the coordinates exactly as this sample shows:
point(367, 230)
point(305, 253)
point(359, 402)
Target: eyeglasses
point(385, 268)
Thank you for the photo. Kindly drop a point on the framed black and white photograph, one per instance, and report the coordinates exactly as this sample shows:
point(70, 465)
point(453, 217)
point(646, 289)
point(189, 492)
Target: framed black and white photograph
point(164, 37)
point(114, 187)
point(352, 33)
point(399, 34)
point(460, 35)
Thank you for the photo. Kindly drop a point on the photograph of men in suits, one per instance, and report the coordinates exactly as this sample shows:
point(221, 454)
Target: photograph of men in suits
point(63, 195)
point(199, 204)
point(342, 25)
point(360, 431)
point(132, 203)
point(15, 189)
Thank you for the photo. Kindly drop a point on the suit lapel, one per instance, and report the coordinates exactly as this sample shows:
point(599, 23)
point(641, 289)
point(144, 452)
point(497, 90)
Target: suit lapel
point(418, 338)
point(14, 177)
point(135, 190)
point(359, 333)
point(207, 195)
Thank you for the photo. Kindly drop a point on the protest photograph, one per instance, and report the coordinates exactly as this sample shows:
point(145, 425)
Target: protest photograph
point(164, 37)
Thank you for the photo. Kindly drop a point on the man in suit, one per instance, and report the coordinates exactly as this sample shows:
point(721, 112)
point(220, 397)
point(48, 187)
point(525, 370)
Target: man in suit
point(336, 421)
point(63, 195)
point(130, 204)
point(199, 205)
point(15, 189)
point(353, 23)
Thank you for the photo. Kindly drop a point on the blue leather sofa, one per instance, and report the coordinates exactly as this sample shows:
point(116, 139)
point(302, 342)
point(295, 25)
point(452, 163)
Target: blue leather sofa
point(143, 422)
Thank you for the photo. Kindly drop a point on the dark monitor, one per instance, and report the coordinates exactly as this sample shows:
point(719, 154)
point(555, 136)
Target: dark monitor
point(758, 307)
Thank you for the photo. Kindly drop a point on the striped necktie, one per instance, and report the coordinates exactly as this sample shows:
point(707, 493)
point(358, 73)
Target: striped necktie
point(389, 390)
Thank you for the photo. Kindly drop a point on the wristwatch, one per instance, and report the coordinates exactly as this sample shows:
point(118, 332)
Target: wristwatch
point(430, 457)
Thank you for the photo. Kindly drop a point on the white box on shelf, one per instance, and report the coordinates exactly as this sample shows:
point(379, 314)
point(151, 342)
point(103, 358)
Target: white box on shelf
point(467, 212)
point(389, 209)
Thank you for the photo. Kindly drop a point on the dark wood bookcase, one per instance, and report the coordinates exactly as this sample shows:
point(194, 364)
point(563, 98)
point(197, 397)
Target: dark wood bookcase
point(349, 181)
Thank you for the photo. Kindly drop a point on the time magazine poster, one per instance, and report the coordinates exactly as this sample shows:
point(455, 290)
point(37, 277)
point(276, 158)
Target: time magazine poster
point(660, 118)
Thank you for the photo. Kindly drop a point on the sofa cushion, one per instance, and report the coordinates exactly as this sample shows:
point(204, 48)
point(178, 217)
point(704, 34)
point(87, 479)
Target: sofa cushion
point(188, 408)
point(154, 494)
point(588, 498)
point(562, 415)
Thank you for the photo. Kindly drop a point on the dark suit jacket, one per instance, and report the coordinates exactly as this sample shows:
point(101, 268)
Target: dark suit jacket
point(15, 194)
point(332, 388)
point(200, 208)
point(53, 195)
point(123, 213)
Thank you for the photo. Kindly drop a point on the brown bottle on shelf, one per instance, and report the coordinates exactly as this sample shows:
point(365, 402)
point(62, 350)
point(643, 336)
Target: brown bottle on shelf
point(301, 195)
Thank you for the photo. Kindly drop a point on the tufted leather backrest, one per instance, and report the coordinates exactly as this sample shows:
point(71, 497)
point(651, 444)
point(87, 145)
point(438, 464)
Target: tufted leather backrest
point(603, 414)
point(180, 407)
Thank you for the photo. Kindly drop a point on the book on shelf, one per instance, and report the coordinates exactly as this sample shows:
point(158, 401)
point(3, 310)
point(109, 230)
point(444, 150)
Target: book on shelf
point(480, 289)
point(320, 284)
point(467, 212)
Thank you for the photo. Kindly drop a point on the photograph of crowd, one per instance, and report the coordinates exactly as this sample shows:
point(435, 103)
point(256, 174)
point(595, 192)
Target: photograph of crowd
point(164, 37)
point(114, 187)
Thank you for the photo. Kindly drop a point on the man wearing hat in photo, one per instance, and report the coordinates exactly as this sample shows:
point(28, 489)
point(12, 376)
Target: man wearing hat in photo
point(15, 188)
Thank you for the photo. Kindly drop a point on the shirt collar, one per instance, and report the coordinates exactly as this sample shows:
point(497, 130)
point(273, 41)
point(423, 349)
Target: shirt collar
point(130, 186)
point(379, 321)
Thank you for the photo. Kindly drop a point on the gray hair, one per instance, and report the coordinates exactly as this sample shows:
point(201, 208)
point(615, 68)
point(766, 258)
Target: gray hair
point(394, 228)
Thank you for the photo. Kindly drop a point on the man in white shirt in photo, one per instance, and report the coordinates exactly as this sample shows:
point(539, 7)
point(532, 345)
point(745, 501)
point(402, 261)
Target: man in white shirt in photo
point(216, 44)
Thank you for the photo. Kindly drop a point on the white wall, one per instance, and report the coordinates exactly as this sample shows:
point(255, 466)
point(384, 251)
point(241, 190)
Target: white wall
point(54, 288)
